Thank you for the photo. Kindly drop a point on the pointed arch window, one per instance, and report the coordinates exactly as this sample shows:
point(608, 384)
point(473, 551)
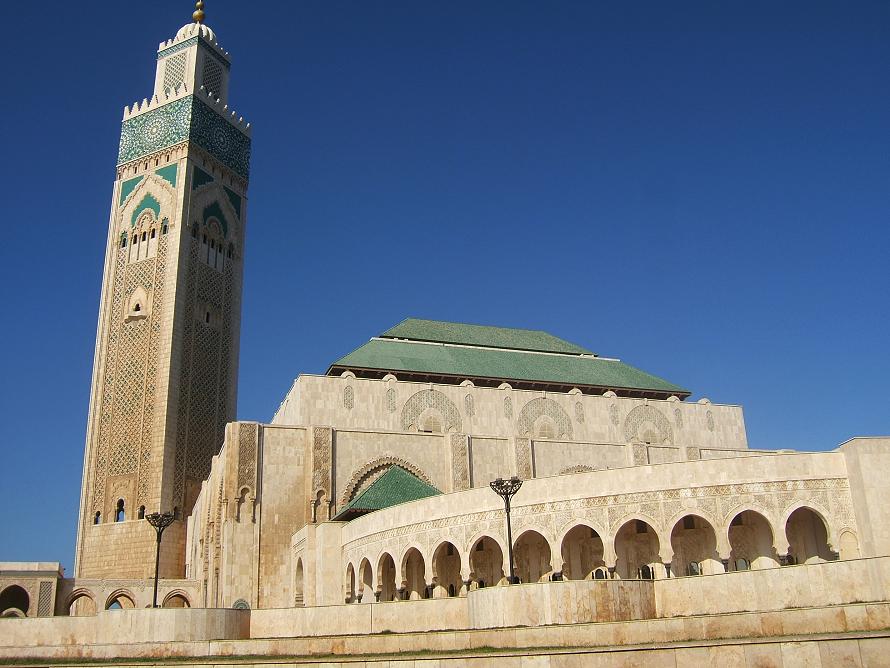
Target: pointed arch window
point(119, 511)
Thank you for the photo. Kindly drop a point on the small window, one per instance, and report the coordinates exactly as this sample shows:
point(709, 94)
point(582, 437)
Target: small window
point(194, 232)
point(451, 590)
point(207, 317)
point(642, 527)
point(144, 236)
point(135, 239)
point(119, 512)
point(123, 241)
point(136, 307)
point(97, 518)
point(154, 233)
point(689, 522)
point(599, 574)
point(204, 240)
point(481, 584)
point(141, 514)
point(694, 568)
point(646, 573)
point(213, 243)
point(230, 252)
point(164, 228)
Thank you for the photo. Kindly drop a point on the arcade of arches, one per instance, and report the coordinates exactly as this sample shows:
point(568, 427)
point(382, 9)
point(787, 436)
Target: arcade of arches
point(637, 550)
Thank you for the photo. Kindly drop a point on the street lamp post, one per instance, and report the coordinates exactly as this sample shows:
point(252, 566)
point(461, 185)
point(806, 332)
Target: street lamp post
point(506, 489)
point(159, 521)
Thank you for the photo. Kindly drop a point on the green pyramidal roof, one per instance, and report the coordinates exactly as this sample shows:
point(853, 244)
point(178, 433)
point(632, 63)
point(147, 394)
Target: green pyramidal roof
point(392, 488)
point(481, 335)
point(446, 352)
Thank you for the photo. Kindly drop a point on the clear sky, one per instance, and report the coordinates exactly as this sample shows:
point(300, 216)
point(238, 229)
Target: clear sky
point(699, 189)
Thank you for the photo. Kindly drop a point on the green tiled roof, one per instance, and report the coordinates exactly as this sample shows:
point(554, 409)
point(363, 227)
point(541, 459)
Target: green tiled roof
point(481, 335)
point(392, 488)
point(517, 365)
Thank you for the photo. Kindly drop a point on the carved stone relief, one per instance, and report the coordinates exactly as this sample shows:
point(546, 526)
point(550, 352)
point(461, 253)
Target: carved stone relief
point(646, 423)
point(523, 450)
point(460, 468)
point(542, 406)
point(425, 399)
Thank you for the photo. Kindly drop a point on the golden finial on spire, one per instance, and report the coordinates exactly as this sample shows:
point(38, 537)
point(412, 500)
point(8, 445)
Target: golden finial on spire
point(199, 12)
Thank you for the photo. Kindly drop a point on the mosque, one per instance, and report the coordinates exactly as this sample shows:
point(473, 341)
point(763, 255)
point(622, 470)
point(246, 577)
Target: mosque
point(360, 520)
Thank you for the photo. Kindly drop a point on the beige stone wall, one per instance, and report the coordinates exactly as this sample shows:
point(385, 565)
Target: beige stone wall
point(380, 405)
point(868, 461)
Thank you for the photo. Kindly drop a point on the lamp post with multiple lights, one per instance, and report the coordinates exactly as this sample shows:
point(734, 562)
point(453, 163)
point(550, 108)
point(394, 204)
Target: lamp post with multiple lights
point(506, 489)
point(159, 521)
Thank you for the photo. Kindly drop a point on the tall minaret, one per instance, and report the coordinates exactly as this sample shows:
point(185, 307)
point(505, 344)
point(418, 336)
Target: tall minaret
point(166, 360)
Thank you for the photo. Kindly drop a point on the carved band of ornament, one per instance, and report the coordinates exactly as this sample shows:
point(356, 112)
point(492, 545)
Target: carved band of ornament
point(188, 118)
point(610, 502)
point(383, 462)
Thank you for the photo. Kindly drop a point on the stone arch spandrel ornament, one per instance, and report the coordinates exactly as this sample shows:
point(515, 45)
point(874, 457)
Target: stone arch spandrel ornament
point(421, 401)
point(640, 416)
point(373, 470)
point(543, 407)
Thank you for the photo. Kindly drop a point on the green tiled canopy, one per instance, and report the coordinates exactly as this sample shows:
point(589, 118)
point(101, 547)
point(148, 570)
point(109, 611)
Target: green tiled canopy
point(392, 488)
point(442, 350)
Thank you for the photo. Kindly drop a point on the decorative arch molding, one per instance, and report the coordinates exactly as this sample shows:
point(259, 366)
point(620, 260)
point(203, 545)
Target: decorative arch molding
point(211, 201)
point(830, 528)
point(419, 402)
point(574, 523)
point(120, 593)
point(177, 593)
point(79, 594)
point(643, 414)
point(154, 191)
point(373, 470)
point(543, 407)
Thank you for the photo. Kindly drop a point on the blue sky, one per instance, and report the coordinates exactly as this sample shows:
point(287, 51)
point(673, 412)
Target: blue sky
point(699, 189)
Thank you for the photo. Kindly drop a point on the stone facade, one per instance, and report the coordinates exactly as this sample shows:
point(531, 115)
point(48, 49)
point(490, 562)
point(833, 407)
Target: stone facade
point(166, 363)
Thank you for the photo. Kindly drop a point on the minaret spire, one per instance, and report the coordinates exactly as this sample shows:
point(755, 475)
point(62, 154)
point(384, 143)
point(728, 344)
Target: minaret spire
point(198, 14)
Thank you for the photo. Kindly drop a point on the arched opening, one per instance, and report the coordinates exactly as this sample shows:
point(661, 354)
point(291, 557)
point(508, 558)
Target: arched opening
point(414, 584)
point(636, 546)
point(119, 509)
point(808, 537)
point(486, 563)
point(694, 543)
point(176, 600)
point(386, 578)
point(349, 594)
point(82, 605)
point(141, 513)
point(751, 542)
point(532, 557)
point(97, 518)
point(582, 553)
point(849, 545)
point(298, 585)
point(365, 586)
point(446, 571)
point(120, 601)
point(14, 602)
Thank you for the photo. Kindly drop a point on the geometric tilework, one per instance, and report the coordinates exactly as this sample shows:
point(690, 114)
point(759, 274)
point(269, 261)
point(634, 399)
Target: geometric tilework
point(186, 118)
